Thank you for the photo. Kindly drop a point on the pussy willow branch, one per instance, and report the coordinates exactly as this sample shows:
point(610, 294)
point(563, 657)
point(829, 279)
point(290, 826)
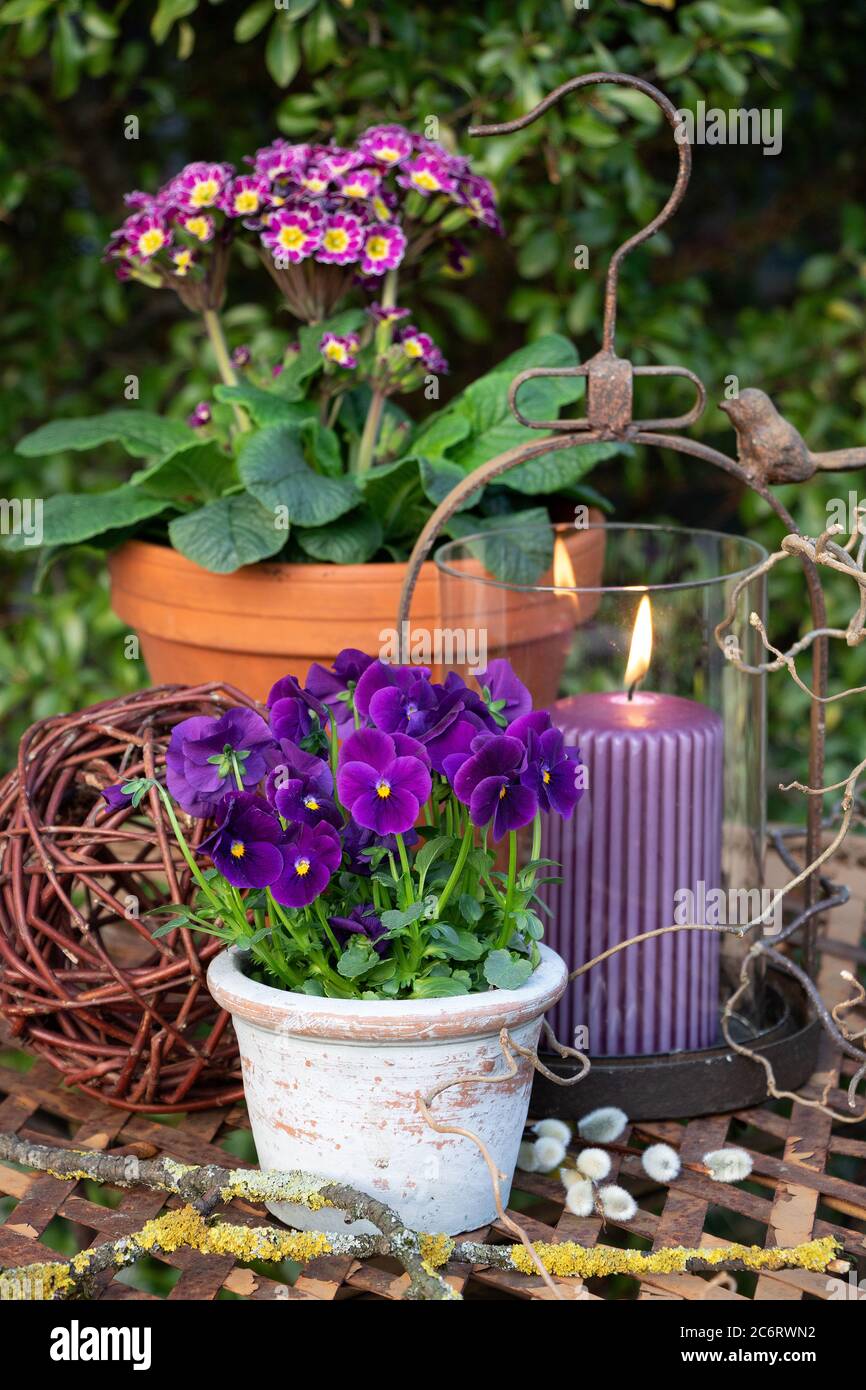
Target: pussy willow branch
point(420, 1254)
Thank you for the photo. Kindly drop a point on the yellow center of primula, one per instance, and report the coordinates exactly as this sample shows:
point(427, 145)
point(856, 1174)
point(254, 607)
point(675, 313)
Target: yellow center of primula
point(204, 193)
point(424, 179)
point(302, 866)
point(545, 776)
point(335, 352)
point(383, 790)
point(377, 248)
point(311, 803)
point(150, 241)
point(337, 239)
point(291, 237)
point(314, 185)
point(388, 154)
point(238, 849)
point(412, 348)
point(182, 262)
point(381, 209)
point(198, 227)
point(247, 201)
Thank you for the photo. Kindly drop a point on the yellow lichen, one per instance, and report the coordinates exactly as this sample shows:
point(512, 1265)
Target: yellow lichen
point(436, 1250)
point(187, 1227)
point(571, 1259)
point(298, 1188)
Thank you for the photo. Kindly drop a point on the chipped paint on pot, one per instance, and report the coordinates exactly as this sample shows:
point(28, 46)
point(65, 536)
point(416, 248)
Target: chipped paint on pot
point(330, 1086)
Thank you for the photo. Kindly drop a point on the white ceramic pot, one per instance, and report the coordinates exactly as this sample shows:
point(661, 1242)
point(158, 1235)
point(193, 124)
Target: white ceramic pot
point(330, 1086)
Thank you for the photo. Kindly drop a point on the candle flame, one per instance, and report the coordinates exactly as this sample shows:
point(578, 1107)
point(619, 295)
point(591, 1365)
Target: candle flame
point(640, 652)
point(563, 569)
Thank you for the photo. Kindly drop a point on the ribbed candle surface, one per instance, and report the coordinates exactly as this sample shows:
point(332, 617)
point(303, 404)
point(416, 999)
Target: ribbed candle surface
point(648, 825)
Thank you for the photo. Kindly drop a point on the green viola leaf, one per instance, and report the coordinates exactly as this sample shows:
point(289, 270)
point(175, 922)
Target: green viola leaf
point(273, 468)
point(471, 909)
point(395, 919)
point(197, 475)
point(69, 518)
point(266, 407)
point(438, 987)
point(226, 534)
point(351, 540)
point(516, 548)
point(141, 433)
point(357, 959)
point(506, 971)
point(465, 946)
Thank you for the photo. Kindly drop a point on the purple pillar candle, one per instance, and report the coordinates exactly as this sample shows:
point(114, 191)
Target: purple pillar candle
point(648, 825)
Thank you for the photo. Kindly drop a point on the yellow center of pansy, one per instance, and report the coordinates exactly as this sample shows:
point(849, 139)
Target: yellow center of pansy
point(150, 241)
point(545, 776)
point(238, 849)
point(337, 239)
point(383, 790)
point(501, 793)
point(204, 193)
point(302, 866)
point(198, 227)
point(292, 237)
point(377, 248)
point(247, 201)
point(311, 803)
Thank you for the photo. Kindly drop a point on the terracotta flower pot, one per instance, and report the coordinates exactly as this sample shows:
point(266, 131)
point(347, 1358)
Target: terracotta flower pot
point(266, 620)
point(330, 1086)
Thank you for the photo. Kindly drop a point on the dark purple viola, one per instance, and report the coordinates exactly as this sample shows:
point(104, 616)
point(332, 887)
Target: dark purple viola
point(311, 854)
point(207, 755)
point(550, 772)
point(301, 788)
point(245, 845)
point(361, 921)
point(380, 675)
point(357, 839)
point(116, 799)
point(489, 784)
point(406, 709)
point(335, 687)
point(505, 696)
point(382, 789)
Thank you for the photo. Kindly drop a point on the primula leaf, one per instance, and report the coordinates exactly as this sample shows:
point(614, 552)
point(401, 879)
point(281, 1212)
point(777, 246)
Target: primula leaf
point(266, 407)
point(69, 518)
point(226, 534)
point(557, 471)
point(141, 433)
point(505, 971)
point(198, 475)
point(273, 467)
point(291, 382)
point(440, 476)
point(351, 540)
point(516, 548)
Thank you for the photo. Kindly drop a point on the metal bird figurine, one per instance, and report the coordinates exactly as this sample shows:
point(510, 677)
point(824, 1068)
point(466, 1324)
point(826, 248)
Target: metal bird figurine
point(772, 449)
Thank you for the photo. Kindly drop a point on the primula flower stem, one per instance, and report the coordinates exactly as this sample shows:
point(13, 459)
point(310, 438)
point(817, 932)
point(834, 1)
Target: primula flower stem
point(367, 447)
point(214, 330)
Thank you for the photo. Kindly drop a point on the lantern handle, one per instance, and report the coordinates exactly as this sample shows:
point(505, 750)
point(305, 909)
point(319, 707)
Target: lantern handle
point(616, 79)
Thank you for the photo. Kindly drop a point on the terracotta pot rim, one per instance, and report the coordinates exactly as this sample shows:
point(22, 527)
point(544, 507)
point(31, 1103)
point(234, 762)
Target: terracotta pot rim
point(314, 569)
point(384, 1020)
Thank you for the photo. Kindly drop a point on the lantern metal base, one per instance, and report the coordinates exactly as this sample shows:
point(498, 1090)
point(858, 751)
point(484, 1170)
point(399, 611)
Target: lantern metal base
point(681, 1085)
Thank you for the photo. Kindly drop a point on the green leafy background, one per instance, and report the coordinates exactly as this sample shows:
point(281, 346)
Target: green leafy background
point(762, 275)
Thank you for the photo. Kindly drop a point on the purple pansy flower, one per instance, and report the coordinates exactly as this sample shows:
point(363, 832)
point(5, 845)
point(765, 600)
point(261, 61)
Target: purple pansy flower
point(311, 854)
point(292, 234)
point(204, 751)
point(116, 799)
point(361, 921)
point(379, 675)
point(335, 687)
point(357, 839)
point(245, 845)
point(550, 772)
point(506, 696)
point(383, 248)
point(382, 789)
point(301, 788)
point(489, 784)
point(387, 144)
point(340, 349)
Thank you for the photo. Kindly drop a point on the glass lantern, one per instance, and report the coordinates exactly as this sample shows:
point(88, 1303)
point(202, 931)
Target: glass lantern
point(613, 629)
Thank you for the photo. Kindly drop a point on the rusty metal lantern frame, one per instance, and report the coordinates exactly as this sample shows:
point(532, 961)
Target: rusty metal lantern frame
point(721, 1077)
